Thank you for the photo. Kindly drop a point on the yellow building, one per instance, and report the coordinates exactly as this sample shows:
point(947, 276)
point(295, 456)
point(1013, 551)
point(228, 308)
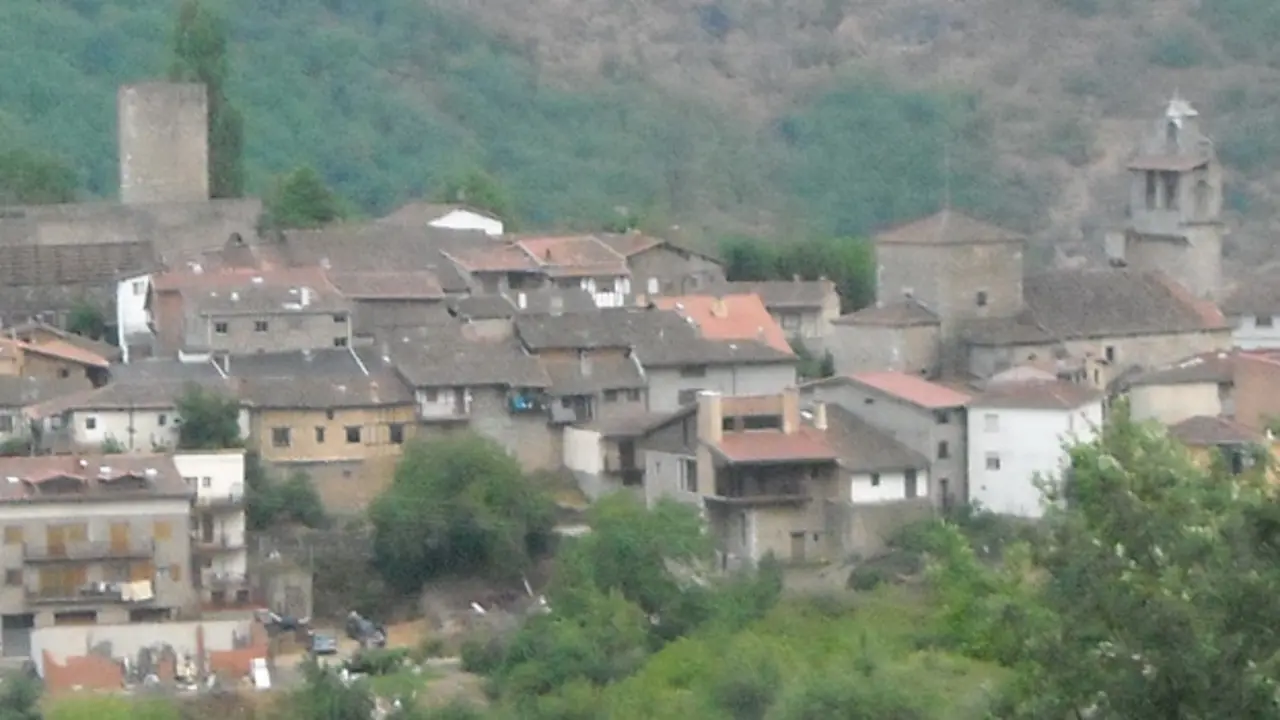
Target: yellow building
point(1210, 437)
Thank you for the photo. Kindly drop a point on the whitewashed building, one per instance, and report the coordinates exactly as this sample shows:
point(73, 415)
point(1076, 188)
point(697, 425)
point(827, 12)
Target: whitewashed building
point(218, 522)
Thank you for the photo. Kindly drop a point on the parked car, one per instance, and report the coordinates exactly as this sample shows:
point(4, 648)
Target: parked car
point(323, 644)
point(364, 631)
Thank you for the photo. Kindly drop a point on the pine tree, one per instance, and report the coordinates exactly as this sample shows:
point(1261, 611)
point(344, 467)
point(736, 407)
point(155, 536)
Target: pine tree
point(200, 55)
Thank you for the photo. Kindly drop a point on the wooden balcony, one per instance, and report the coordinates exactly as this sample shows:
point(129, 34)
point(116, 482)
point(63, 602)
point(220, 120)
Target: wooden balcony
point(92, 550)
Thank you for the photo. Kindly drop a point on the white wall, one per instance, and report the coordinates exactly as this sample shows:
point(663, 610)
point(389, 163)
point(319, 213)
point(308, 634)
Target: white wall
point(1248, 335)
point(583, 451)
point(67, 641)
point(1027, 443)
point(218, 476)
point(220, 473)
point(467, 220)
point(131, 312)
point(1171, 404)
point(666, 383)
point(885, 487)
point(152, 428)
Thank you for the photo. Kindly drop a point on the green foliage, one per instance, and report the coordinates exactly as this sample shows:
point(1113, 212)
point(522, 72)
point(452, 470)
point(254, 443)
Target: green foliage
point(1247, 28)
point(748, 681)
point(482, 191)
point(812, 367)
point(112, 446)
point(1178, 48)
point(19, 697)
point(1072, 140)
point(200, 55)
point(302, 200)
point(842, 696)
point(323, 696)
point(270, 502)
point(87, 320)
point(457, 505)
point(378, 661)
point(16, 447)
point(210, 420)
point(109, 707)
point(28, 177)
point(847, 262)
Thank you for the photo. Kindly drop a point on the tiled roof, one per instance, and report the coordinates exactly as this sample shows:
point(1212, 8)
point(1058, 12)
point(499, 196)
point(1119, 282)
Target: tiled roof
point(99, 475)
point(190, 280)
point(628, 244)
point(783, 293)
point(862, 447)
point(1210, 430)
point(494, 258)
point(32, 300)
point(611, 372)
point(74, 264)
point(449, 358)
point(153, 395)
point(943, 228)
point(355, 247)
point(729, 317)
point(29, 330)
point(388, 285)
point(1211, 367)
point(1076, 304)
point(311, 393)
point(579, 255)
point(482, 307)
point(774, 446)
point(903, 313)
point(912, 389)
point(17, 391)
point(1035, 395)
point(266, 300)
point(1255, 293)
point(61, 350)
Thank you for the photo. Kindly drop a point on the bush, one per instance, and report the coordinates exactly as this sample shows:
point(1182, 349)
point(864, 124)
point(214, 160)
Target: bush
point(482, 655)
point(1176, 48)
point(378, 661)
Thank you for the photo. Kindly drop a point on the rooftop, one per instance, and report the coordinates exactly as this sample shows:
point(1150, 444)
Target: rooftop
point(783, 293)
point(592, 375)
point(1211, 430)
point(387, 284)
point(321, 393)
point(62, 478)
point(907, 312)
point(761, 447)
point(18, 392)
point(914, 390)
point(729, 317)
point(947, 227)
point(864, 448)
point(577, 255)
point(59, 350)
point(266, 299)
point(450, 357)
point(1211, 367)
point(1036, 394)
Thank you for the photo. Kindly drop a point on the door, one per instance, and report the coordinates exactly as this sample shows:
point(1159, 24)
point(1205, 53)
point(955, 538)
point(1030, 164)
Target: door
point(627, 454)
point(797, 547)
point(56, 540)
point(206, 528)
point(119, 537)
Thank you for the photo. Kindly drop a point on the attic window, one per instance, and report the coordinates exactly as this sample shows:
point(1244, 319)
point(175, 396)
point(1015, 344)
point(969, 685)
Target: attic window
point(761, 422)
point(981, 299)
point(1110, 353)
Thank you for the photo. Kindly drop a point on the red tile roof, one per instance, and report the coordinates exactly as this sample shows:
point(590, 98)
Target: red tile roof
point(60, 349)
point(773, 446)
point(731, 317)
point(503, 258)
point(912, 389)
point(574, 255)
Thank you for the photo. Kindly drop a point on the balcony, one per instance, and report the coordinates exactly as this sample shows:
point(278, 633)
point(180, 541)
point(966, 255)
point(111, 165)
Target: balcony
point(738, 490)
point(92, 550)
point(443, 406)
point(216, 543)
point(135, 593)
point(227, 500)
point(223, 581)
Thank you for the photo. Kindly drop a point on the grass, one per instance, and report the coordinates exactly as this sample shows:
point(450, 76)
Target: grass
point(403, 683)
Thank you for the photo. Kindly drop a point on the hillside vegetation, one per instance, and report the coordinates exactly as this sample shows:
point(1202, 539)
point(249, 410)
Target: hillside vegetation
point(796, 117)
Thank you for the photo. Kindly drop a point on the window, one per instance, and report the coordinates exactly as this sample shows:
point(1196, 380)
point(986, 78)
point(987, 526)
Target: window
point(687, 397)
point(353, 434)
point(653, 286)
point(991, 422)
point(909, 483)
point(431, 395)
point(340, 318)
point(693, 371)
point(90, 423)
point(981, 298)
point(319, 435)
point(944, 450)
point(162, 419)
point(1151, 190)
point(260, 326)
point(206, 482)
point(632, 395)
point(1262, 321)
point(280, 437)
point(875, 479)
point(64, 373)
point(942, 416)
point(6, 423)
point(396, 431)
point(611, 396)
point(328, 414)
point(339, 342)
point(139, 287)
point(689, 475)
point(790, 322)
point(220, 328)
point(1110, 353)
point(1171, 190)
point(12, 534)
point(993, 461)
point(13, 578)
point(163, 530)
point(762, 422)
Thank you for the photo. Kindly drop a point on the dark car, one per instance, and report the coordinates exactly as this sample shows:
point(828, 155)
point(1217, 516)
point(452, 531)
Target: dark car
point(364, 631)
point(323, 644)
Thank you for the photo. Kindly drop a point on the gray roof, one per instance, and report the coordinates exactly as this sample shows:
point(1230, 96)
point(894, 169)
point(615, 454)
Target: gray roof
point(24, 302)
point(1209, 430)
point(482, 307)
point(1035, 395)
point(80, 264)
point(862, 447)
point(907, 312)
point(156, 394)
point(17, 391)
point(1212, 367)
point(318, 393)
point(450, 357)
point(1112, 302)
point(1256, 293)
point(947, 227)
point(161, 369)
point(536, 302)
point(264, 300)
point(782, 293)
point(594, 374)
point(353, 247)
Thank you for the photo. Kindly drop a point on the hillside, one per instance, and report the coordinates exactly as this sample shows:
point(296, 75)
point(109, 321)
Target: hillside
point(830, 116)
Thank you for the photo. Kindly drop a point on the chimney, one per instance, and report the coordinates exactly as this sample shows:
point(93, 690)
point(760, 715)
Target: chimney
point(522, 301)
point(820, 416)
point(719, 309)
point(557, 305)
point(584, 363)
point(304, 296)
point(710, 417)
point(790, 410)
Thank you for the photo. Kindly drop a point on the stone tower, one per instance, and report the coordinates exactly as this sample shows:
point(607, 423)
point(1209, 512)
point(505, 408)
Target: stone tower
point(1175, 203)
point(164, 143)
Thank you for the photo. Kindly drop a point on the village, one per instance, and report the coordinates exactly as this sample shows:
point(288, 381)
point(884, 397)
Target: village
point(623, 362)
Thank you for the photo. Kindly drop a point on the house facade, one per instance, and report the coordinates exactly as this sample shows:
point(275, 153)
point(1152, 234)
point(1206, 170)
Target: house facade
point(221, 572)
point(1017, 429)
point(1200, 385)
point(662, 267)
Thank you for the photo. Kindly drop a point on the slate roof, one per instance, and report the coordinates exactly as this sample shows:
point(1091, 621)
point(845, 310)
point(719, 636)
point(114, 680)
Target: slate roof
point(499, 306)
point(30, 301)
point(80, 264)
point(449, 358)
point(572, 377)
point(154, 394)
point(388, 285)
point(633, 243)
point(28, 330)
point(356, 390)
point(574, 256)
point(1035, 395)
point(947, 227)
point(907, 312)
point(782, 293)
point(864, 448)
point(96, 472)
point(18, 391)
point(1255, 293)
point(265, 300)
point(365, 247)
point(1210, 430)
point(1095, 303)
point(1212, 367)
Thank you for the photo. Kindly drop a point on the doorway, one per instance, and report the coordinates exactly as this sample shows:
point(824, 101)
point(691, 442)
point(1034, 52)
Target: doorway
point(797, 547)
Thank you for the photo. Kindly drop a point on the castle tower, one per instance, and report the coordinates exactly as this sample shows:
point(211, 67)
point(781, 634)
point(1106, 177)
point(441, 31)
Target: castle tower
point(1175, 203)
point(164, 143)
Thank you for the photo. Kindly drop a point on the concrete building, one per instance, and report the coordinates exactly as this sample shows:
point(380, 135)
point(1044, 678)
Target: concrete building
point(93, 540)
point(221, 574)
point(664, 267)
point(1200, 385)
point(1017, 429)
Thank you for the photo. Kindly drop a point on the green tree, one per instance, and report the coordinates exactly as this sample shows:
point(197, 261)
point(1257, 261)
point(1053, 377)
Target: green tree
point(87, 320)
point(841, 695)
point(324, 696)
point(456, 505)
point(482, 191)
point(848, 262)
point(112, 446)
point(28, 177)
point(270, 502)
point(210, 420)
point(302, 200)
point(200, 55)
point(19, 697)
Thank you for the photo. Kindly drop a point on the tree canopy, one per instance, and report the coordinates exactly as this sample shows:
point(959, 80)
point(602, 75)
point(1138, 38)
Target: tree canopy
point(848, 262)
point(210, 420)
point(200, 55)
point(302, 200)
point(28, 177)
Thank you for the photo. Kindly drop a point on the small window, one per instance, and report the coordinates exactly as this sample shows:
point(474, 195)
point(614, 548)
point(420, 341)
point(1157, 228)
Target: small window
point(1262, 321)
point(139, 287)
point(64, 373)
point(942, 417)
point(396, 431)
point(431, 394)
point(689, 475)
point(12, 534)
point(1110, 353)
point(339, 342)
point(693, 371)
point(340, 318)
point(6, 423)
point(328, 414)
point(353, 434)
point(611, 396)
point(162, 530)
point(653, 286)
point(206, 482)
point(993, 461)
point(13, 578)
point(944, 450)
point(687, 397)
point(260, 326)
point(280, 437)
point(790, 322)
point(762, 422)
point(991, 422)
point(162, 419)
point(220, 328)
point(633, 395)
point(319, 435)
point(90, 423)
point(875, 479)
point(981, 298)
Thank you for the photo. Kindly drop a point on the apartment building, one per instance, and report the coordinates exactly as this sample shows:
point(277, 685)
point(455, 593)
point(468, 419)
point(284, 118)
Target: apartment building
point(221, 574)
point(92, 539)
